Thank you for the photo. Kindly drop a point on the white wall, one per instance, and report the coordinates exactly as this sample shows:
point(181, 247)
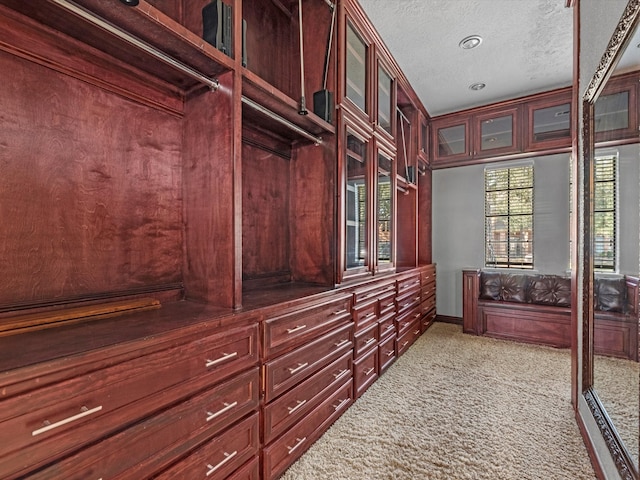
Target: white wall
point(458, 223)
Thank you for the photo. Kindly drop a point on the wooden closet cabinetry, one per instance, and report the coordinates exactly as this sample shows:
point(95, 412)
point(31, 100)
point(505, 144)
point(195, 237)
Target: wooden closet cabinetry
point(309, 386)
point(43, 424)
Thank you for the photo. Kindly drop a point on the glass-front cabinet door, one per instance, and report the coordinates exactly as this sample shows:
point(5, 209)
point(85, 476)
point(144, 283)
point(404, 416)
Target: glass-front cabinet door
point(616, 111)
point(549, 122)
point(356, 69)
point(450, 139)
point(385, 100)
point(496, 133)
point(384, 212)
point(356, 204)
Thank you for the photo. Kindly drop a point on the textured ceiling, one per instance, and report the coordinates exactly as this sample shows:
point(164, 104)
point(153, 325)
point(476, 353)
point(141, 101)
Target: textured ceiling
point(527, 47)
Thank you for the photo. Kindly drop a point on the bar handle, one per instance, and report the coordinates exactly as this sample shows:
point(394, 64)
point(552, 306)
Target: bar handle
point(84, 412)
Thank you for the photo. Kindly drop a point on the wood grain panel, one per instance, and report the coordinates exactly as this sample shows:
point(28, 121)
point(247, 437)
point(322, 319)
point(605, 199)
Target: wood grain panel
point(266, 195)
point(90, 193)
point(209, 158)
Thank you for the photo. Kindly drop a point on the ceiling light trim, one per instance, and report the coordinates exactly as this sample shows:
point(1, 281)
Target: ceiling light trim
point(472, 41)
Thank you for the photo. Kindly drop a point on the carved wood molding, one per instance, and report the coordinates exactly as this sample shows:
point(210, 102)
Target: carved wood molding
point(607, 62)
point(618, 454)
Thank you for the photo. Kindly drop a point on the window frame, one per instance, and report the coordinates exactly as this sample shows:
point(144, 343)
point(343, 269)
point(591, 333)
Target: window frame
point(600, 156)
point(509, 215)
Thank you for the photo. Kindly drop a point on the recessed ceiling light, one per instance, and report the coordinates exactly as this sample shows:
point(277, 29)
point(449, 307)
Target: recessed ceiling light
point(477, 86)
point(472, 41)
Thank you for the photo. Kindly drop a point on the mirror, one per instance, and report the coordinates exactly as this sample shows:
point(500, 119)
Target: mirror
point(612, 247)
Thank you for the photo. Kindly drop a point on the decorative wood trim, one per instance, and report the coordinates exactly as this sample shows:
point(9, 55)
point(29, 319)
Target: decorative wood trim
point(611, 438)
point(616, 44)
point(449, 319)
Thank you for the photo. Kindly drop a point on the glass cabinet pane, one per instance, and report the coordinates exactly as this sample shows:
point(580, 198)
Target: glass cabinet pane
point(356, 68)
point(385, 210)
point(551, 123)
point(496, 133)
point(612, 112)
point(385, 84)
point(356, 203)
point(452, 140)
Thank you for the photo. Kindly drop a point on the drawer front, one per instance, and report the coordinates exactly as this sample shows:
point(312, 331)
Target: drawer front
point(387, 326)
point(219, 457)
point(387, 304)
point(286, 371)
point(405, 322)
point(407, 301)
point(53, 420)
point(365, 340)
point(407, 339)
point(290, 446)
point(164, 436)
point(428, 274)
point(408, 283)
point(428, 318)
point(373, 292)
point(295, 404)
point(287, 331)
point(249, 471)
point(365, 315)
point(365, 372)
point(386, 353)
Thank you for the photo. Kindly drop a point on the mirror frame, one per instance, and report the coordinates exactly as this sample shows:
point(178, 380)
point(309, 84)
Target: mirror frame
point(619, 40)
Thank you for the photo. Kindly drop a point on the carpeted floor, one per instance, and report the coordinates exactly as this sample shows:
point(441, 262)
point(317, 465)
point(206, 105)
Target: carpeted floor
point(454, 407)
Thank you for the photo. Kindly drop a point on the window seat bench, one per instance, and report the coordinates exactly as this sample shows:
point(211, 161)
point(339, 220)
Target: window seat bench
point(537, 309)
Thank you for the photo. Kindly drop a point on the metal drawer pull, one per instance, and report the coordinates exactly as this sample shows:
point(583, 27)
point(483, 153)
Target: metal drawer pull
point(389, 328)
point(369, 315)
point(227, 457)
point(389, 305)
point(296, 328)
point(299, 441)
point(341, 373)
point(298, 368)
point(299, 405)
point(227, 407)
point(340, 312)
point(390, 352)
point(225, 356)
point(84, 412)
point(417, 315)
point(368, 342)
point(405, 344)
point(341, 343)
point(417, 298)
point(406, 305)
point(368, 372)
point(340, 404)
point(416, 332)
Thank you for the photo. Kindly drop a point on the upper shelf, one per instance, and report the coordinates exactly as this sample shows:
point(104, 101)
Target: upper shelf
point(276, 102)
point(108, 25)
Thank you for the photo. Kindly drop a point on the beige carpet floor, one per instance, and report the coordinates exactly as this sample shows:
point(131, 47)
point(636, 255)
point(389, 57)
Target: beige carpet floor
point(456, 406)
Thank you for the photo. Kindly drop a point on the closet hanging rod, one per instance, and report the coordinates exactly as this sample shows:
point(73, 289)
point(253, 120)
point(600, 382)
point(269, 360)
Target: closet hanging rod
point(212, 83)
point(278, 118)
point(403, 115)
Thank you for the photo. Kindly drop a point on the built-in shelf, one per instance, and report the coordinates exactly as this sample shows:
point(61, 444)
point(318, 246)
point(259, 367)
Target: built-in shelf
point(273, 100)
point(105, 25)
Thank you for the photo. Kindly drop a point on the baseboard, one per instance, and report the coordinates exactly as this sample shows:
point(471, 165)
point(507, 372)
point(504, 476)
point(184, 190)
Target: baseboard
point(449, 319)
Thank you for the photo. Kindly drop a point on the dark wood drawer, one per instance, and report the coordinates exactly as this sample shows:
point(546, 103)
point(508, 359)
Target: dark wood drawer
point(249, 471)
point(387, 304)
point(428, 318)
point(295, 404)
point(44, 423)
point(428, 274)
point(387, 326)
point(408, 300)
point(286, 371)
point(405, 321)
point(289, 447)
point(386, 353)
point(365, 340)
point(154, 443)
point(365, 314)
point(287, 331)
point(220, 456)
point(407, 339)
point(365, 372)
point(374, 291)
point(410, 282)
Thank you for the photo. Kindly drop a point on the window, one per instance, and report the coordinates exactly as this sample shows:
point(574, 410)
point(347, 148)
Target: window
point(385, 211)
point(509, 217)
point(356, 203)
point(604, 214)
